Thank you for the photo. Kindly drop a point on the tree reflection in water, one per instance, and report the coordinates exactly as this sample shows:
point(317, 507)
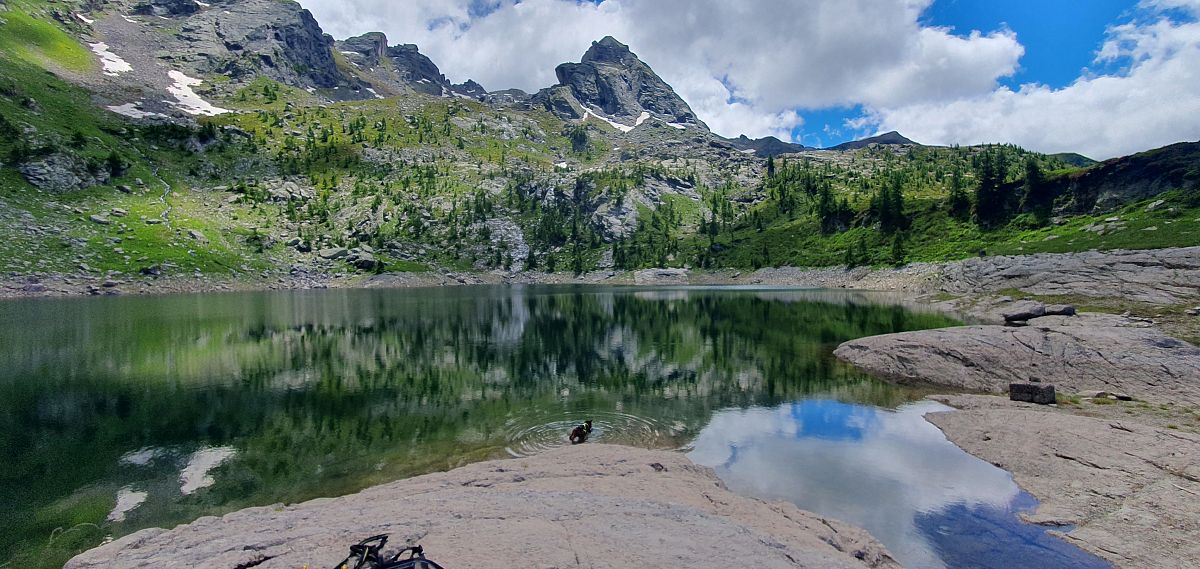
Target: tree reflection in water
point(325, 392)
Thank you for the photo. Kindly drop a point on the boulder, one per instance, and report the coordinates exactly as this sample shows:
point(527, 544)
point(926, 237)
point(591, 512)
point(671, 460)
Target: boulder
point(99, 219)
point(333, 253)
point(1032, 393)
point(364, 261)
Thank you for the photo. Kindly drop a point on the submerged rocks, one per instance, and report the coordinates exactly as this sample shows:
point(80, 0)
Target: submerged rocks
point(629, 507)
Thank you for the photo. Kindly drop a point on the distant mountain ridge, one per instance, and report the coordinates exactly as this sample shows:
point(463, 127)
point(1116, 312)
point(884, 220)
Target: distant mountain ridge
point(887, 138)
point(766, 146)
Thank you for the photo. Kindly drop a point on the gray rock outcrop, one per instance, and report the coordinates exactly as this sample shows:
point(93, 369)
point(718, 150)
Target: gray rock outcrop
point(1157, 276)
point(589, 505)
point(401, 67)
point(1139, 361)
point(611, 80)
point(166, 8)
point(60, 172)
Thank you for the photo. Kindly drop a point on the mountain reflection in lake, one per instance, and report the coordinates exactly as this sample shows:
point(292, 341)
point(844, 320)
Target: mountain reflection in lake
point(122, 413)
point(891, 472)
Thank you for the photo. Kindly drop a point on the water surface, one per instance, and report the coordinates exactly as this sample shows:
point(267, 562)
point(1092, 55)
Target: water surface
point(123, 413)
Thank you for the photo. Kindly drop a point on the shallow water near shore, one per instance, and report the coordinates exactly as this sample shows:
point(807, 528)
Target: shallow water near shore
point(123, 413)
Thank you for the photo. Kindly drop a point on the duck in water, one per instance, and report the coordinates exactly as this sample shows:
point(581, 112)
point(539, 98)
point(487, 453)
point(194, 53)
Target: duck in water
point(580, 433)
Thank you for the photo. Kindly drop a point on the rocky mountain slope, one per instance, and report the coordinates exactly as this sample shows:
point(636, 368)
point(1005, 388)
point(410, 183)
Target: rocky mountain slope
point(151, 137)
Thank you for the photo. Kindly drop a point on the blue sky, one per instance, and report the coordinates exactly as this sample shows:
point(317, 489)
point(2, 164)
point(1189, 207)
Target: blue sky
point(1061, 38)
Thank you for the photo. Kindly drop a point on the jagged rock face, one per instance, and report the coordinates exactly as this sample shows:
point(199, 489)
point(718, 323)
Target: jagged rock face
point(406, 66)
point(612, 79)
point(417, 70)
point(469, 89)
point(368, 49)
point(166, 8)
point(284, 39)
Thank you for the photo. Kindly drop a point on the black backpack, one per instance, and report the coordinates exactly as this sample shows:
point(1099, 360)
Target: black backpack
point(368, 554)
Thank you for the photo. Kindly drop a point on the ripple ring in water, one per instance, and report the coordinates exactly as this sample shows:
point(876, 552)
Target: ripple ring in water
point(534, 433)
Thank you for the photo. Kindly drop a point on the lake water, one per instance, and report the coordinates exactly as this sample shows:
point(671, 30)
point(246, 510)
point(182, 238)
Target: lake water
point(123, 413)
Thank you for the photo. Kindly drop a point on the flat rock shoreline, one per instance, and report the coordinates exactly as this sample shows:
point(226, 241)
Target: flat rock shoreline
point(590, 505)
point(1116, 461)
point(1162, 276)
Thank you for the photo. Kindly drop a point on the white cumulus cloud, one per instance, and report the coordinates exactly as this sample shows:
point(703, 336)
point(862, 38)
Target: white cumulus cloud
point(1151, 99)
point(744, 67)
point(754, 66)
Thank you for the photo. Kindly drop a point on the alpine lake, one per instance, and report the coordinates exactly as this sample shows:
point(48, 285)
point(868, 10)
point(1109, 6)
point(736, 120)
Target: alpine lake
point(122, 413)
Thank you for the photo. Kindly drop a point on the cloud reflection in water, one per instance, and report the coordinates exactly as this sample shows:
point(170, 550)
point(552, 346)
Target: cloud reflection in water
point(891, 472)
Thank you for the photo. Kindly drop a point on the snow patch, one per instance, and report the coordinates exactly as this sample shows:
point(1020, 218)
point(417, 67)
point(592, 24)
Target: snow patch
point(130, 20)
point(623, 128)
point(641, 118)
point(560, 165)
point(311, 90)
point(131, 110)
point(127, 500)
point(186, 99)
point(344, 52)
point(372, 91)
point(202, 4)
point(422, 80)
point(112, 63)
point(748, 151)
point(85, 19)
point(674, 125)
point(142, 456)
point(195, 475)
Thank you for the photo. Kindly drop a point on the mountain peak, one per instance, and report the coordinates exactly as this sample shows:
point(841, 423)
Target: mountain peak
point(891, 137)
point(608, 50)
point(612, 82)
